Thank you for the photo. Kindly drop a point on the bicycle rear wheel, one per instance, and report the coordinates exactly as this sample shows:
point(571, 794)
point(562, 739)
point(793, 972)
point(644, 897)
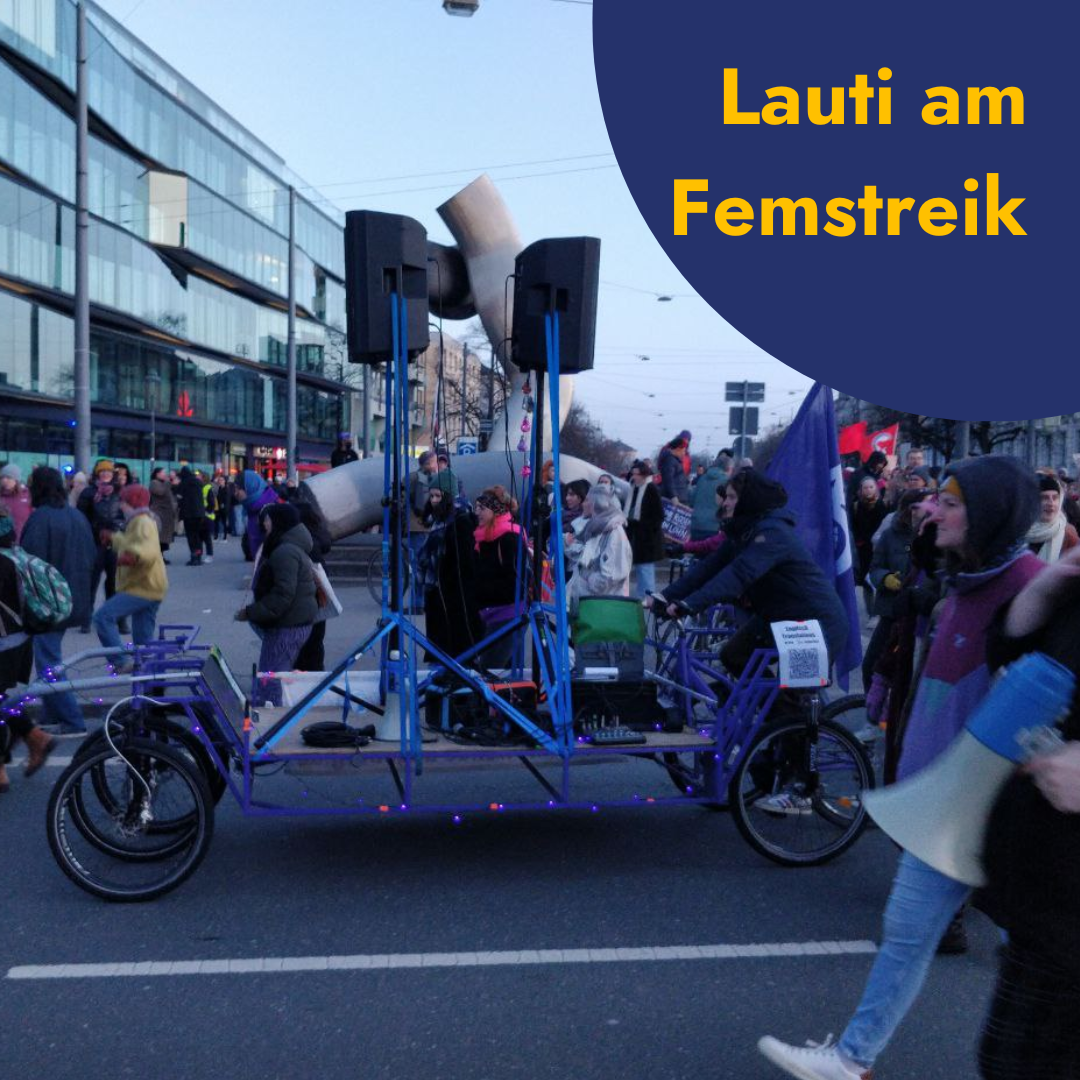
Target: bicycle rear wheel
point(109, 848)
point(375, 575)
point(797, 802)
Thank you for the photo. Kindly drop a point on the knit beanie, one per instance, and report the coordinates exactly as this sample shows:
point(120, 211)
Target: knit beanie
point(11, 472)
point(135, 496)
point(102, 465)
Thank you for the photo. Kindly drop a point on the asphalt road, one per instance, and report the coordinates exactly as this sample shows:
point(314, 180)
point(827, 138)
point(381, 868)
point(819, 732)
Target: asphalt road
point(471, 951)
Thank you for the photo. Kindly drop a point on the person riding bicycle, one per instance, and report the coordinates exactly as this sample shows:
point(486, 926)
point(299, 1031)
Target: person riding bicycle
point(762, 562)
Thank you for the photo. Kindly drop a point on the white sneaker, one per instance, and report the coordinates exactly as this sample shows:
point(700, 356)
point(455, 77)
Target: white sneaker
point(785, 802)
point(207, 559)
point(814, 1061)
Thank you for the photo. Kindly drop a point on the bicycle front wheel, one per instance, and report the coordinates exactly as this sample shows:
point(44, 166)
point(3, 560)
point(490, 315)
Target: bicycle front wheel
point(798, 800)
point(110, 847)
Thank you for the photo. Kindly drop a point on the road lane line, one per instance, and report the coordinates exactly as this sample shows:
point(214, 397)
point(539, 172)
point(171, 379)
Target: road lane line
point(651, 954)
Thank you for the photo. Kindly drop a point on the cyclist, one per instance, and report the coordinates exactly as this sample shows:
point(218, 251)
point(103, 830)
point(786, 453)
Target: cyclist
point(762, 562)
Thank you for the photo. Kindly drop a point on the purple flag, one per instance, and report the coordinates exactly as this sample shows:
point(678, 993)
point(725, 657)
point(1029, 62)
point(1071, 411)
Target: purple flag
point(807, 463)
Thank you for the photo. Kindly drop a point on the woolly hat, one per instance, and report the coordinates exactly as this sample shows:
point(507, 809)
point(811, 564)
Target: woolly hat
point(1002, 500)
point(1046, 483)
point(136, 496)
point(11, 472)
point(684, 435)
point(102, 465)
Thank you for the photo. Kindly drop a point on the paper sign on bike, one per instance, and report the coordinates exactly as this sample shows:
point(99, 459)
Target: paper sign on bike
point(804, 657)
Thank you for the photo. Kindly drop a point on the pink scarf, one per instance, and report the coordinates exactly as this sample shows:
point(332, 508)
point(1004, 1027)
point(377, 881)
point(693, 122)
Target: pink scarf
point(502, 525)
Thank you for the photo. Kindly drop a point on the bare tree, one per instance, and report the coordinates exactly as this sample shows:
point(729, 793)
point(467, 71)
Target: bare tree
point(582, 437)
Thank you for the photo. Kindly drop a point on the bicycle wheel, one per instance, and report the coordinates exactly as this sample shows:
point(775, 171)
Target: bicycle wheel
point(156, 723)
point(797, 803)
point(850, 713)
point(151, 779)
point(375, 576)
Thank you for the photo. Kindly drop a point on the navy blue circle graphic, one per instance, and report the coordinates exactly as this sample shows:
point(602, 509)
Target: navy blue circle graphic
point(884, 302)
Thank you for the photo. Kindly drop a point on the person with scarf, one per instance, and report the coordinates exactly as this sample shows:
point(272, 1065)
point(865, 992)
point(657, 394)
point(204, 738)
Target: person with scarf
point(100, 502)
point(644, 527)
point(446, 566)
point(763, 563)
point(1051, 536)
point(254, 494)
point(141, 583)
point(982, 516)
point(284, 605)
point(1032, 858)
point(602, 567)
point(497, 543)
point(15, 660)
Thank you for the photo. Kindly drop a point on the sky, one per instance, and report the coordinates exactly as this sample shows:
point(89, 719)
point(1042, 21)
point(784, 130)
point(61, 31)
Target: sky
point(393, 105)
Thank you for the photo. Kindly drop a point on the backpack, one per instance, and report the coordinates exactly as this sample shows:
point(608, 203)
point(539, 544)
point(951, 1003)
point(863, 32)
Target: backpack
point(43, 590)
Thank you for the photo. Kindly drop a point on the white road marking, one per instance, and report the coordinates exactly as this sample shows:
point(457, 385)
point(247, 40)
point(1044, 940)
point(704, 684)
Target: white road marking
point(384, 961)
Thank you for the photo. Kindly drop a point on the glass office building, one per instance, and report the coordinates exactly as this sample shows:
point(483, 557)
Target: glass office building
point(189, 228)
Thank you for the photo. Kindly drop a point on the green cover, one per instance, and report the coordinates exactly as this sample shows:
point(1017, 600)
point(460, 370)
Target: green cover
point(609, 618)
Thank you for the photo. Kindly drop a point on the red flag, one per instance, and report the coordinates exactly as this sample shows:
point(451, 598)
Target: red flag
point(852, 438)
point(883, 440)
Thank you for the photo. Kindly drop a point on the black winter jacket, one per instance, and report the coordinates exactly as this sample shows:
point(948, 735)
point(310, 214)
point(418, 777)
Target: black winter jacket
point(673, 482)
point(285, 584)
point(61, 536)
point(767, 565)
point(892, 555)
point(647, 533)
point(1032, 852)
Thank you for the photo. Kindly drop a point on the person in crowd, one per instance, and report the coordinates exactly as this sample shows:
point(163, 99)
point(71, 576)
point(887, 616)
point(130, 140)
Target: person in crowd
point(14, 497)
point(687, 463)
point(206, 526)
point(574, 501)
point(700, 548)
point(497, 543)
point(888, 570)
point(284, 606)
point(982, 515)
point(100, 502)
point(222, 508)
point(914, 459)
point(763, 562)
point(603, 566)
point(189, 497)
point(703, 521)
point(122, 475)
point(444, 477)
point(1051, 536)
point(672, 474)
point(78, 485)
point(644, 527)
point(15, 660)
point(1032, 859)
point(867, 514)
point(312, 655)
point(163, 507)
point(343, 453)
point(61, 536)
point(699, 472)
point(419, 485)
point(446, 565)
point(1070, 501)
point(874, 467)
point(141, 581)
point(254, 494)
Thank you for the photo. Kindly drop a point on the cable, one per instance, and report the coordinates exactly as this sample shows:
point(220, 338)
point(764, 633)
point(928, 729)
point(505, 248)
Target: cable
point(108, 738)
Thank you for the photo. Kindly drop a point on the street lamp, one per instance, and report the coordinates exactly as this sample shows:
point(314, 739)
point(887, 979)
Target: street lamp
point(464, 8)
point(153, 381)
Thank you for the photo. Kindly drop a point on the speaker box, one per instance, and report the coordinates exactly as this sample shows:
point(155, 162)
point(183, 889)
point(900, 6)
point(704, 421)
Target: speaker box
point(564, 274)
point(384, 253)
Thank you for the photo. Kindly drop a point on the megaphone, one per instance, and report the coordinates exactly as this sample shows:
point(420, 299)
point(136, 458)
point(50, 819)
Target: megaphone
point(939, 815)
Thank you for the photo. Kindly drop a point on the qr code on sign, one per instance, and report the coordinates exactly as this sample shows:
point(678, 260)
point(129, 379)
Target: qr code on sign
point(803, 664)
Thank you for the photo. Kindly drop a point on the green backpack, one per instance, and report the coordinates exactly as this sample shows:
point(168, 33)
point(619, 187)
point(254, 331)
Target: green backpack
point(44, 591)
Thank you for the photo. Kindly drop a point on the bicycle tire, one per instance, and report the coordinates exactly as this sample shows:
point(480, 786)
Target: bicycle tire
point(155, 759)
point(157, 723)
point(850, 713)
point(835, 815)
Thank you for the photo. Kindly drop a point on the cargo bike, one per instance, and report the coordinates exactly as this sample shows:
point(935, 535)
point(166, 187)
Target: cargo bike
point(132, 817)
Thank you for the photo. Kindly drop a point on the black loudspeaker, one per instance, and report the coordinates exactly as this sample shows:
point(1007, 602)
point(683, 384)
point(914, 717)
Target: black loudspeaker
point(563, 274)
point(384, 253)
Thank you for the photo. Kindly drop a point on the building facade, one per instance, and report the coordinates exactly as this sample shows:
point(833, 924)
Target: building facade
point(189, 236)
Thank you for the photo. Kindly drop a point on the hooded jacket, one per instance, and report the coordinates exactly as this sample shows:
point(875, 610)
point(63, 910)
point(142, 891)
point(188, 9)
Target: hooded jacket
point(189, 493)
point(704, 520)
point(284, 587)
point(763, 562)
point(673, 481)
point(140, 567)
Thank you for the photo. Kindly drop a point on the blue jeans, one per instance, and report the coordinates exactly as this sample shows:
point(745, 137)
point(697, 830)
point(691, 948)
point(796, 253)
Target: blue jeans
point(60, 708)
point(920, 907)
point(644, 579)
point(143, 614)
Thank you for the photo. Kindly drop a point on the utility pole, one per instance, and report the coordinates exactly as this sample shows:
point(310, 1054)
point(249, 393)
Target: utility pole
point(962, 437)
point(290, 358)
point(82, 251)
point(366, 405)
point(465, 388)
